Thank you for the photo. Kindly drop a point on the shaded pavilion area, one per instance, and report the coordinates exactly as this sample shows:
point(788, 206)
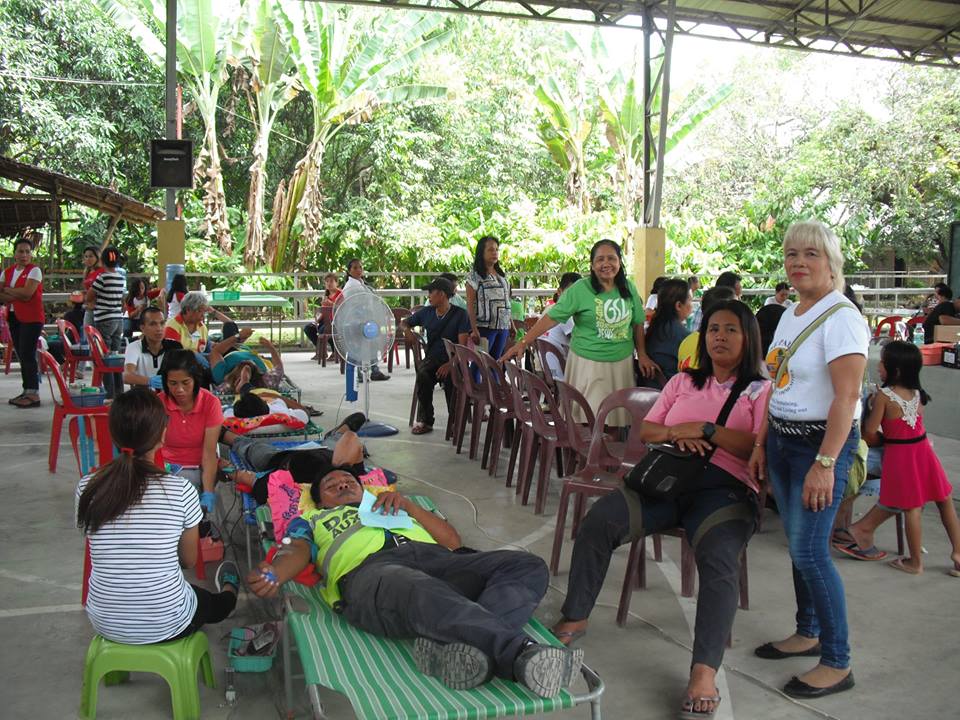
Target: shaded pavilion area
point(903, 629)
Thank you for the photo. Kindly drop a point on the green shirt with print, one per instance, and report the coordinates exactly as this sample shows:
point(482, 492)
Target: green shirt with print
point(602, 324)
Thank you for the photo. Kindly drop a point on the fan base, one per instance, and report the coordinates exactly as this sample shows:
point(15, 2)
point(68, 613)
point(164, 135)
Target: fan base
point(372, 428)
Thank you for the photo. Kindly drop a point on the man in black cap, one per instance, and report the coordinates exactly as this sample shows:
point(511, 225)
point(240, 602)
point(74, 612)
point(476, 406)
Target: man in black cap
point(442, 321)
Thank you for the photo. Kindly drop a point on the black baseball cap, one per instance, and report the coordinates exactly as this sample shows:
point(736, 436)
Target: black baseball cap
point(439, 283)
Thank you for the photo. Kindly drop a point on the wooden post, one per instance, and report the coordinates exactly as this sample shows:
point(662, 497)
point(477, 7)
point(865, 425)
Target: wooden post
point(110, 228)
point(57, 238)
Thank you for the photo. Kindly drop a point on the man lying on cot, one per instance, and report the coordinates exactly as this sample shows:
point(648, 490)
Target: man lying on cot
point(466, 609)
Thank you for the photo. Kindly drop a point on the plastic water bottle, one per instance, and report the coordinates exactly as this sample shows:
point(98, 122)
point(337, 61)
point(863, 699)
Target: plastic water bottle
point(919, 336)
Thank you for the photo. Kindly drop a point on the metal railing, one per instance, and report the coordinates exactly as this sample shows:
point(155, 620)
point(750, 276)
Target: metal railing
point(883, 293)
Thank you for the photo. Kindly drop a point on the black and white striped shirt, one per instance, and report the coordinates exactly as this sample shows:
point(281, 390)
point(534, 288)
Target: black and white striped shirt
point(137, 593)
point(109, 287)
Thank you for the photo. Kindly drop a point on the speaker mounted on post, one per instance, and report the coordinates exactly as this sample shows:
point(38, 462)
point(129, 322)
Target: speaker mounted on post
point(171, 164)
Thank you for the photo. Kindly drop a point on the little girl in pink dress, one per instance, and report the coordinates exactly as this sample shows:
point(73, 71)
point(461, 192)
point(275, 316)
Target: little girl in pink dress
point(912, 474)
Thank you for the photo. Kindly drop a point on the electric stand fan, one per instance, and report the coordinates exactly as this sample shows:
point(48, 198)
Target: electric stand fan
point(363, 333)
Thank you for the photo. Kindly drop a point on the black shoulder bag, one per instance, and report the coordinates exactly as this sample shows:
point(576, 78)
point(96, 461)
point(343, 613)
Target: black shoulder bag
point(666, 471)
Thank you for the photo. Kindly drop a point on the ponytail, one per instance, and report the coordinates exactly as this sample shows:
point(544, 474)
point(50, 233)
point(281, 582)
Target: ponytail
point(137, 422)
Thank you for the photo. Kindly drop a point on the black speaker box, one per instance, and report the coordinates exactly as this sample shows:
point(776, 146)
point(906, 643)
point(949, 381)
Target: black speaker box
point(171, 163)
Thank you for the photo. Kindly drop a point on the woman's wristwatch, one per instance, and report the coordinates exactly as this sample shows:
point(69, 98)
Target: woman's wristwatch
point(825, 461)
point(708, 430)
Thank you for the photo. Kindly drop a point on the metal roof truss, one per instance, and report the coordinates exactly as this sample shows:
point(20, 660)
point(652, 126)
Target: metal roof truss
point(922, 32)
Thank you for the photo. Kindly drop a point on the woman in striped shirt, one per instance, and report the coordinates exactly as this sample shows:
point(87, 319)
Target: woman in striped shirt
point(142, 525)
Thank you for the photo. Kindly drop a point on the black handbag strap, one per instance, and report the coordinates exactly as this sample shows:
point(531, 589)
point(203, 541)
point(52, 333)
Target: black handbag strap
point(735, 391)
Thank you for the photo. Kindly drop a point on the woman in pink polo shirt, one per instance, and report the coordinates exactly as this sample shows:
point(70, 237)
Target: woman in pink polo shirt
point(718, 517)
point(195, 421)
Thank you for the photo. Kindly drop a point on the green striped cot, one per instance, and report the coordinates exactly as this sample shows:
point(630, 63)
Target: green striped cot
point(378, 675)
point(380, 680)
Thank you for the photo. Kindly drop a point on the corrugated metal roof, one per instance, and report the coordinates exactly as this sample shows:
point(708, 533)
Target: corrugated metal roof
point(913, 31)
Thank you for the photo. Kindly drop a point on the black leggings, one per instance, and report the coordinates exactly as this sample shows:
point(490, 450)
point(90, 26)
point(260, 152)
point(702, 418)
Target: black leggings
point(25, 336)
point(718, 522)
point(211, 608)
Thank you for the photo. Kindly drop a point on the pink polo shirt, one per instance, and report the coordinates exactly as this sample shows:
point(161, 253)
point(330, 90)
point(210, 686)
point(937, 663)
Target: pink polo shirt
point(184, 442)
point(681, 402)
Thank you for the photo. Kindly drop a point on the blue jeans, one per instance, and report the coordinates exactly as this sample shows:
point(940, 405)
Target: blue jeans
point(821, 604)
point(496, 339)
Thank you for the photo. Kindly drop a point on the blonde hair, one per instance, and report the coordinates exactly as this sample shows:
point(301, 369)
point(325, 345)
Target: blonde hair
point(813, 233)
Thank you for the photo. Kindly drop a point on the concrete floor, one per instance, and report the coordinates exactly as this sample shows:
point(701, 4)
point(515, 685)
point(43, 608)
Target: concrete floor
point(904, 629)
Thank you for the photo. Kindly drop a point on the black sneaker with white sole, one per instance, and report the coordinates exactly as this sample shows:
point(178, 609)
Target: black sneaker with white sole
point(457, 665)
point(546, 670)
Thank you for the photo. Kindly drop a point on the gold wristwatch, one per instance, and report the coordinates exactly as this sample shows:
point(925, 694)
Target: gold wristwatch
point(826, 461)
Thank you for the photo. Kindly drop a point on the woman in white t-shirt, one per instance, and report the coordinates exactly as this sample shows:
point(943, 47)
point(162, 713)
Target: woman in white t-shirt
point(808, 443)
point(142, 528)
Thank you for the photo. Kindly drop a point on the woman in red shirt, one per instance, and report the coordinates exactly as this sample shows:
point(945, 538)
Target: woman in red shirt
point(21, 286)
point(195, 421)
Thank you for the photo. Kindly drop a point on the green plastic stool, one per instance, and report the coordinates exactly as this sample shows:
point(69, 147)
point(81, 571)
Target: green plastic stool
point(176, 662)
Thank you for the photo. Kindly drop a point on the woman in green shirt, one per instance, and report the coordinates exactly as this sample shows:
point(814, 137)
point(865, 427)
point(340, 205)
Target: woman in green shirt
point(608, 317)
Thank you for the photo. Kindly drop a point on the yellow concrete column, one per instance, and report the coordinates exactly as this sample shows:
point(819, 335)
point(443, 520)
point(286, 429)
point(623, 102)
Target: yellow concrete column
point(171, 246)
point(649, 245)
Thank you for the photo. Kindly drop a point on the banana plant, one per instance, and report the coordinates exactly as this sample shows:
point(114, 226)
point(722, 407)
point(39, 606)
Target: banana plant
point(349, 72)
point(622, 110)
point(205, 31)
point(272, 83)
point(564, 131)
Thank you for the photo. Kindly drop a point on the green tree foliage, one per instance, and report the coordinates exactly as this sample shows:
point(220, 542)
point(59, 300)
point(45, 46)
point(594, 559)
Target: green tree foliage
point(95, 132)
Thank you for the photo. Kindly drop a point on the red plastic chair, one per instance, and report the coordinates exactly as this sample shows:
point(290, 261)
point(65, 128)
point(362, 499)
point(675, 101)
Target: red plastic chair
point(7, 339)
point(545, 350)
point(892, 322)
point(457, 381)
point(580, 434)
point(552, 436)
point(63, 405)
point(474, 394)
point(501, 413)
point(419, 348)
point(524, 435)
point(324, 337)
point(604, 470)
point(92, 447)
point(398, 315)
point(70, 338)
point(99, 352)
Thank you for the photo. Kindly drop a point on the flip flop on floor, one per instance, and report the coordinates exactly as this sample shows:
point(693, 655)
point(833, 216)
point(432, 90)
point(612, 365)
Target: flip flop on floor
point(858, 553)
point(25, 402)
point(898, 564)
point(842, 536)
point(13, 400)
point(421, 429)
point(954, 571)
point(688, 713)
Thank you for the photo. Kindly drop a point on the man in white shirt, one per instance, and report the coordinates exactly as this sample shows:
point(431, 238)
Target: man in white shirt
point(142, 360)
point(781, 296)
